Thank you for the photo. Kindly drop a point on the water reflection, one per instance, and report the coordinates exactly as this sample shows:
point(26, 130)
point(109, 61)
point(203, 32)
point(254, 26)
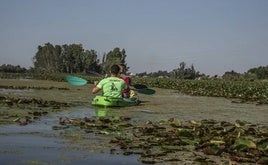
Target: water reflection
point(102, 112)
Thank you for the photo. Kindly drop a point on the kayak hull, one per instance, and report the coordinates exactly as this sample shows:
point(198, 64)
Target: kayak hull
point(114, 102)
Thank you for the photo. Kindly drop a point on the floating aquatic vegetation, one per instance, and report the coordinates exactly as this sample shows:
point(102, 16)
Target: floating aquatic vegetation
point(11, 101)
point(31, 117)
point(242, 91)
point(31, 87)
point(164, 141)
point(35, 107)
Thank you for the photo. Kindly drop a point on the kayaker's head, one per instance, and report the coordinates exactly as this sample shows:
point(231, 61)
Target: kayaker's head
point(115, 70)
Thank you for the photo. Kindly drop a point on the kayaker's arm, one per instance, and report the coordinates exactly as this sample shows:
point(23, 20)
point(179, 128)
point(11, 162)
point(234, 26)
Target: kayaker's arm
point(95, 88)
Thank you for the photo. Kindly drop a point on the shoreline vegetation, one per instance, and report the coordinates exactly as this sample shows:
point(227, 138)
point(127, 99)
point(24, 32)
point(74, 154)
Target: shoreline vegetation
point(240, 91)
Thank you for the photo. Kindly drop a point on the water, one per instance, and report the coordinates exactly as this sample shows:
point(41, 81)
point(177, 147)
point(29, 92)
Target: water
point(37, 143)
point(18, 92)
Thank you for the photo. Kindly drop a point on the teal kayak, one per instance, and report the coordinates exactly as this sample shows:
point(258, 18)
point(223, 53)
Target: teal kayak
point(114, 102)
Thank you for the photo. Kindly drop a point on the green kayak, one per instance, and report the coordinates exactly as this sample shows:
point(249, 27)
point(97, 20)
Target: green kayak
point(114, 102)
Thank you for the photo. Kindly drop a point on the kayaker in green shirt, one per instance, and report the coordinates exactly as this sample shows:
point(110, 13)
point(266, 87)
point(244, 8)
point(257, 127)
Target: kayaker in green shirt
point(111, 86)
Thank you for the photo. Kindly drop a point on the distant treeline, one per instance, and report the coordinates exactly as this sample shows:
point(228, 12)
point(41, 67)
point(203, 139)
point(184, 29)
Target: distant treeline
point(182, 72)
point(258, 73)
point(8, 68)
point(74, 59)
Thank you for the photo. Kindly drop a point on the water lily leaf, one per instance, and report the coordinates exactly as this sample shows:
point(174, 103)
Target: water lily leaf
point(104, 132)
point(184, 133)
point(264, 131)
point(59, 127)
point(229, 129)
point(35, 113)
point(251, 131)
point(212, 150)
point(148, 160)
point(263, 160)
point(242, 123)
point(209, 121)
point(217, 141)
point(176, 123)
point(263, 144)
point(193, 122)
point(241, 159)
point(225, 124)
point(203, 160)
point(173, 148)
point(243, 143)
point(17, 119)
point(188, 141)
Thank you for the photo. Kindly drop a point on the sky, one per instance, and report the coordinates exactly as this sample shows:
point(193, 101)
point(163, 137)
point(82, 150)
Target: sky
point(214, 35)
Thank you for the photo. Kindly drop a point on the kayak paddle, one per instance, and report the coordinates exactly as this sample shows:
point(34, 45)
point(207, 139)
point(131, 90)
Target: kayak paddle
point(78, 81)
point(146, 91)
point(139, 86)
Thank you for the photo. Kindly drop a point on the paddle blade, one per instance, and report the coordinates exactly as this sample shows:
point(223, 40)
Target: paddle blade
point(139, 86)
point(146, 91)
point(77, 81)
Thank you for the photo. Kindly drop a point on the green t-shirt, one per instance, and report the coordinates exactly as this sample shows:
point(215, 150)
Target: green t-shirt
point(112, 87)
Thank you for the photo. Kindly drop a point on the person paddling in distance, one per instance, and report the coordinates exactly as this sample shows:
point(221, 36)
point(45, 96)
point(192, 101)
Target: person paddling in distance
point(127, 93)
point(122, 75)
point(111, 86)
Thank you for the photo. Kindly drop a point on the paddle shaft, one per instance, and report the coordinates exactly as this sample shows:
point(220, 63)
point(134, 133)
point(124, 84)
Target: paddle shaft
point(78, 81)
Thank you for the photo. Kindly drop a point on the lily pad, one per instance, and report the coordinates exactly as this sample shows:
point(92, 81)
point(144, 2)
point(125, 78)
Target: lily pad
point(244, 143)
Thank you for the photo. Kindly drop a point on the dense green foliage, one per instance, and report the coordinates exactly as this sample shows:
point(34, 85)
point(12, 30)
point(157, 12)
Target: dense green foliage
point(182, 72)
point(66, 58)
point(74, 59)
point(261, 72)
point(189, 73)
point(113, 57)
point(247, 91)
point(8, 68)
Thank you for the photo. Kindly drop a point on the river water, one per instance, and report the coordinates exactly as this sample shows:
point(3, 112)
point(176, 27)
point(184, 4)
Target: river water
point(38, 143)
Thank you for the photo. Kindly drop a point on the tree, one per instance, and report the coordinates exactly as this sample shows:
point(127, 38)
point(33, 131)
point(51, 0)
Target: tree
point(190, 73)
point(12, 69)
point(90, 61)
point(74, 59)
point(182, 72)
point(113, 57)
point(66, 58)
point(46, 58)
point(261, 72)
point(232, 75)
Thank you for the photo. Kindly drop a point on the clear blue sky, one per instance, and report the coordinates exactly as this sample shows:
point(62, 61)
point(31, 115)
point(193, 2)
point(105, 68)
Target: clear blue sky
point(214, 35)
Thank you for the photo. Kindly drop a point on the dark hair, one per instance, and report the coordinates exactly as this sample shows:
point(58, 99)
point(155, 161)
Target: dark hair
point(115, 69)
point(123, 65)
